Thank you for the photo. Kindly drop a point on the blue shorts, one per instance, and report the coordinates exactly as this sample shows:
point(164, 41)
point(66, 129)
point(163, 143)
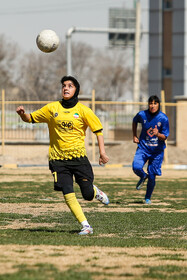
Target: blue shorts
point(154, 161)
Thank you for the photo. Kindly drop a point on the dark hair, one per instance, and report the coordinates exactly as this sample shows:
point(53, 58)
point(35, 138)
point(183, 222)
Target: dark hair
point(156, 99)
point(75, 82)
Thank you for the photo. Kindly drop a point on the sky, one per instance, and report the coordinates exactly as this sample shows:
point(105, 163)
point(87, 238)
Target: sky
point(22, 20)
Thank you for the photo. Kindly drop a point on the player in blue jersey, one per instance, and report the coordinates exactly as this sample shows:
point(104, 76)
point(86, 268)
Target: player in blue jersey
point(151, 144)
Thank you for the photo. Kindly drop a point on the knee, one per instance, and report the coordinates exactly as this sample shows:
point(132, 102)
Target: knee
point(86, 189)
point(88, 194)
point(151, 179)
point(136, 166)
point(151, 173)
point(151, 176)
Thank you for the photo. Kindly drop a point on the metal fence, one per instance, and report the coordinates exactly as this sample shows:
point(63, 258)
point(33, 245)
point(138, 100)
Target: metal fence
point(116, 118)
point(13, 129)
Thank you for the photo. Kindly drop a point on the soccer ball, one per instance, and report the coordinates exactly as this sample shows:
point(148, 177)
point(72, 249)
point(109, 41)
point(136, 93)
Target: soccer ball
point(47, 41)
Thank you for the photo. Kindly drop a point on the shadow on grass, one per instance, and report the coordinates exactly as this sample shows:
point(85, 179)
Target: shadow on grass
point(48, 230)
point(138, 202)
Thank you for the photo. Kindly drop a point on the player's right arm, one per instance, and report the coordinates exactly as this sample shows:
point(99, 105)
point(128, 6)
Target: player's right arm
point(21, 112)
point(134, 131)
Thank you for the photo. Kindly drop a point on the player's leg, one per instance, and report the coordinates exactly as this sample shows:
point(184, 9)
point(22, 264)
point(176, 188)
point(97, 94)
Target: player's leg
point(63, 181)
point(150, 188)
point(101, 196)
point(140, 158)
point(84, 177)
point(76, 209)
point(154, 168)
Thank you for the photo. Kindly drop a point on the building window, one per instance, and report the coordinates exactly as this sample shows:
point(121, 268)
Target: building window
point(167, 72)
point(167, 4)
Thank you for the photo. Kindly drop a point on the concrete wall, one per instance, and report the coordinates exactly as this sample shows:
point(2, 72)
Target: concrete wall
point(181, 123)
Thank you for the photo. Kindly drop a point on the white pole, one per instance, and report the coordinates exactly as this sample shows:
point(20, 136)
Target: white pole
point(136, 86)
point(90, 30)
point(164, 111)
point(69, 55)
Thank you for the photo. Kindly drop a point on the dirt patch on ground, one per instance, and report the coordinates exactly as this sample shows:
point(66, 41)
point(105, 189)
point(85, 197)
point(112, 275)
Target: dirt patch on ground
point(37, 209)
point(116, 261)
point(31, 158)
point(122, 153)
point(43, 173)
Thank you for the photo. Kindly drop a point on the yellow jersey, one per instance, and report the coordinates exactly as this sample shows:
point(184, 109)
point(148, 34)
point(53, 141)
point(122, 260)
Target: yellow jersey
point(67, 128)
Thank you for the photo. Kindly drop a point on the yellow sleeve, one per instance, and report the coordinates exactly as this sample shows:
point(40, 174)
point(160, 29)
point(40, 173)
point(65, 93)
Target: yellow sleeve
point(41, 116)
point(92, 120)
point(30, 120)
point(99, 133)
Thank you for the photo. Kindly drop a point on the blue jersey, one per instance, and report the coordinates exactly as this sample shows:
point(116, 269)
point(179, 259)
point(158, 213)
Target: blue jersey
point(148, 141)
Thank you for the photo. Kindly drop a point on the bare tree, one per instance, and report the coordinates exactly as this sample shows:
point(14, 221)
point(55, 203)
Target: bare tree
point(81, 54)
point(111, 76)
point(8, 56)
point(39, 75)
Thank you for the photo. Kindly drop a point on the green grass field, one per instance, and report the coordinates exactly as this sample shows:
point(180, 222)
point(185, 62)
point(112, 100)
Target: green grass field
point(39, 240)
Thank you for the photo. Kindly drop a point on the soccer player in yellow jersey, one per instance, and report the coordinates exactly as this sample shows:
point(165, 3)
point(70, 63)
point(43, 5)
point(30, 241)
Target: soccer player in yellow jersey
point(67, 122)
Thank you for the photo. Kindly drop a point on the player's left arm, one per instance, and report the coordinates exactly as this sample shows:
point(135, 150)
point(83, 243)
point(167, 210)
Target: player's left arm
point(160, 136)
point(103, 156)
point(96, 127)
point(164, 131)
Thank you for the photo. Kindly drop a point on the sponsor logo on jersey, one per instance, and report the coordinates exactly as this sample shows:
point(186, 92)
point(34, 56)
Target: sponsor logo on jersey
point(150, 132)
point(76, 115)
point(159, 124)
point(66, 125)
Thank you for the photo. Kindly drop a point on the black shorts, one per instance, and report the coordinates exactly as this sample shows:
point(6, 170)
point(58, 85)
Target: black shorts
point(65, 171)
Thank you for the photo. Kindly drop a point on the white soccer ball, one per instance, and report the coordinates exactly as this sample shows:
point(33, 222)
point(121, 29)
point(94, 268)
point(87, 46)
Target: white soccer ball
point(47, 41)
